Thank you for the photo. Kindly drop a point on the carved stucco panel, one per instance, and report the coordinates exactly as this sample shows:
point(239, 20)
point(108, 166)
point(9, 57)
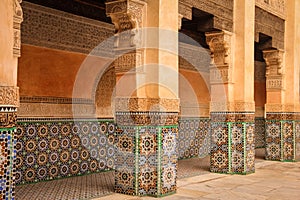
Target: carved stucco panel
point(9, 96)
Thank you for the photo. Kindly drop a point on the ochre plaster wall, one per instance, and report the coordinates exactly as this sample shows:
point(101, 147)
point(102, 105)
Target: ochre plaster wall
point(193, 92)
point(52, 73)
point(47, 72)
point(197, 84)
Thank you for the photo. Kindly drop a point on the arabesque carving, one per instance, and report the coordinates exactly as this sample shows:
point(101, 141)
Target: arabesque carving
point(9, 96)
point(128, 61)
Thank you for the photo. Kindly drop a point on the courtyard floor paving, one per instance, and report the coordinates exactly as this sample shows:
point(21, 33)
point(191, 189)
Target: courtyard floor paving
point(272, 180)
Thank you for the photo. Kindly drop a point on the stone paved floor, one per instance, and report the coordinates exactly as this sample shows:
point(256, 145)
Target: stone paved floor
point(95, 185)
point(272, 180)
point(80, 187)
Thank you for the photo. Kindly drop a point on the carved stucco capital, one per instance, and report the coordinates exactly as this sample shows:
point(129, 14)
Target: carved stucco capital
point(220, 46)
point(274, 69)
point(273, 60)
point(128, 17)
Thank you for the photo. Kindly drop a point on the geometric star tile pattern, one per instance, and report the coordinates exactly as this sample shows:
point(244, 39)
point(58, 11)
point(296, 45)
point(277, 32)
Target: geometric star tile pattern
point(51, 149)
point(7, 156)
point(233, 147)
point(281, 140)
point(193, 137)
point(260, 132)
point(146, 160)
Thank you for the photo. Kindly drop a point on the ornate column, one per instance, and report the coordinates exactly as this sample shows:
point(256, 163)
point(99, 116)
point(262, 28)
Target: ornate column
point(232, 128)
point(146, 115)
point(232, 94)
point(9, 92)
point(280, 116)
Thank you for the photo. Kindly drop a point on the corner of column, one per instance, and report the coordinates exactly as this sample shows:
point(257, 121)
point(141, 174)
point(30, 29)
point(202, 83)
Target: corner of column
point(146, 159)
point(232, 133)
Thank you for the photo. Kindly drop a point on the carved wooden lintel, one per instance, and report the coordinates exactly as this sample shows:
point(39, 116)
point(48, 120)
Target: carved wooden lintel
point(185, 10)
point(276, 7)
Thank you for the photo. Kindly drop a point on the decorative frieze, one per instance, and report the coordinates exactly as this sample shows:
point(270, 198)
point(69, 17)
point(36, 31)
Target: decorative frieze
point(56, 107)
point(220, 68)
point(232, 106)
point(55, 100)
point(56, 110)
point(222, 117)
point(146, 118)
point(8, 117)
point(277, 107)
point(129, 61)
point(276, 7)
point(193, 58)
point(146, 104)
point(51, 28)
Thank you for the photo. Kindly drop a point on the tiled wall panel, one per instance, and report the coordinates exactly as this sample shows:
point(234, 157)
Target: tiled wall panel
point(50, 149)
point(193, 137)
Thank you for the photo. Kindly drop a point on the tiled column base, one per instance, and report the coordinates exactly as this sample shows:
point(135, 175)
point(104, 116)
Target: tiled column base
point(281, 136)
point(7, 153)
point(233, 147)
point(146, 157)
point(297, 140)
